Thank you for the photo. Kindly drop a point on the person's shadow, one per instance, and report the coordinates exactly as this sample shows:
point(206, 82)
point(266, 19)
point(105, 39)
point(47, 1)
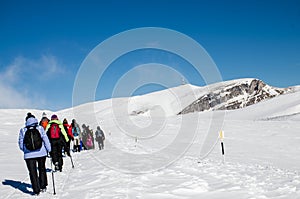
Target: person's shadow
point(22, 186)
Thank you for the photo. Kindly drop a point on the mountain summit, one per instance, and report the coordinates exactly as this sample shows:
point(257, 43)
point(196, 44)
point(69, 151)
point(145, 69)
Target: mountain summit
point(233, 94)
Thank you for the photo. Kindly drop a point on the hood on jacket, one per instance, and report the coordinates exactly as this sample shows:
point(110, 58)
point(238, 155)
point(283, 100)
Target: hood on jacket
point(31, 121)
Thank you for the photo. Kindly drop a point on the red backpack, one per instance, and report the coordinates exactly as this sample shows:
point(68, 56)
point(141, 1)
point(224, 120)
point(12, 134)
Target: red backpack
point(54, 131)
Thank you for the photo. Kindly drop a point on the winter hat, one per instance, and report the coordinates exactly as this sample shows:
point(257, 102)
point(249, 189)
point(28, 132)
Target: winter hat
point(54, 117)
point(29, 115)
point(65, 121)
point(98, 127)
point(32, 121)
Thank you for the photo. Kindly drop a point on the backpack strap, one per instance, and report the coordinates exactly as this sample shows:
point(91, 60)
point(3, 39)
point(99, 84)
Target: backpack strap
point(28, 127)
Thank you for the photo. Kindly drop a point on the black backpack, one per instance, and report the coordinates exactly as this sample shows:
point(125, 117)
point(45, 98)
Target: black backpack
point(32, 139)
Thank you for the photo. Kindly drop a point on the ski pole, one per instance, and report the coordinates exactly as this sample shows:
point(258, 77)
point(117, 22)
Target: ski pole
point(72, 161)
point(52, 177)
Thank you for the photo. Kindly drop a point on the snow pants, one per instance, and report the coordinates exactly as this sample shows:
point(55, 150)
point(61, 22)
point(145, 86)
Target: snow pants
point(76, 144)
point(38, 178)
point(67, 148)
point(100, 144)
point(56, 152)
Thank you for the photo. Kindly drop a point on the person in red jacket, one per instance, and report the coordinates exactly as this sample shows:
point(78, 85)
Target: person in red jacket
point(68, 129)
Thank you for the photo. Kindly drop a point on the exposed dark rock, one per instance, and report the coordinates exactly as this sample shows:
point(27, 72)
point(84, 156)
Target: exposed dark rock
point(234, 96)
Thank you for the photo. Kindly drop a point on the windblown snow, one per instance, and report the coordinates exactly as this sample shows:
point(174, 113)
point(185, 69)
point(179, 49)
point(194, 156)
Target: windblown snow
point(151, 152)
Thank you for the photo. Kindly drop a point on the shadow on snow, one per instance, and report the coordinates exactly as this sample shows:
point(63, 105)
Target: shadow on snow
point(22, 186)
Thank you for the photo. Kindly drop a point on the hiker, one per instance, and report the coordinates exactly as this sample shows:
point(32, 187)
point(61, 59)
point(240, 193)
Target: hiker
point(58, 139)
point(100, 137)
point(35, 159)
point(84, 137)
point(87, 137)
point(76, 131)
point(92, 136)
point(68, 129)
point(44, 121)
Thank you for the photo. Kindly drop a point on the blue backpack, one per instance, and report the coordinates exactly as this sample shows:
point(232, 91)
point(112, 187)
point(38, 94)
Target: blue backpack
point(75, 131)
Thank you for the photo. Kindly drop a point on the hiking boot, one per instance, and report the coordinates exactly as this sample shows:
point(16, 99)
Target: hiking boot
point(43, 190)
point(36, 194)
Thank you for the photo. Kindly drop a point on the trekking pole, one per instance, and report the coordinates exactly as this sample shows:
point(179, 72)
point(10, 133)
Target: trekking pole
point(52, 177)
point(72, 161)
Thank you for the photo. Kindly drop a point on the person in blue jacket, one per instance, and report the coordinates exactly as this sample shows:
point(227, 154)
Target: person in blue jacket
point(37, 174)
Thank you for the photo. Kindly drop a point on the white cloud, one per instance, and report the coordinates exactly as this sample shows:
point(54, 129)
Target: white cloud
point(41, 69)
point(49, 65)
point(11, 98)
point(12, 71)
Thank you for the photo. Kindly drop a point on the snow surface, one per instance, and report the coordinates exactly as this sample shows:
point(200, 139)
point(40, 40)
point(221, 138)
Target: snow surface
point(159, 154)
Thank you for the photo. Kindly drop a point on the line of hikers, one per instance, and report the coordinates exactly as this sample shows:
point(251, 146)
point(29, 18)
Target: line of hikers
point(37, 139)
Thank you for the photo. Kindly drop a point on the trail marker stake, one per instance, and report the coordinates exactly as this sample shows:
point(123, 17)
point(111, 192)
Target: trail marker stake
point(221, 136)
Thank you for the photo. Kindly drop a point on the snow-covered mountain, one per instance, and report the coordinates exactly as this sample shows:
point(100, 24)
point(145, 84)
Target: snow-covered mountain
point(234, 94)
point(151, 152)
point(227, 95)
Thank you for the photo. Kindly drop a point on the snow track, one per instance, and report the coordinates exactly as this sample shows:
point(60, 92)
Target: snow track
point(186, 178)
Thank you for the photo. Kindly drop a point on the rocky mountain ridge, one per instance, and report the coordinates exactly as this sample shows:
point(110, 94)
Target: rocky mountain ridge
point(234, 95)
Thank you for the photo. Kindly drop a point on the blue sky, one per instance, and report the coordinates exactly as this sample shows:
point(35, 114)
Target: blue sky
point(43, 43)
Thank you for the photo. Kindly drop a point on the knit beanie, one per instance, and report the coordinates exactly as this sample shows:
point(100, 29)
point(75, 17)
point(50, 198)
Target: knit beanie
point(54, 117)
point(29, 115)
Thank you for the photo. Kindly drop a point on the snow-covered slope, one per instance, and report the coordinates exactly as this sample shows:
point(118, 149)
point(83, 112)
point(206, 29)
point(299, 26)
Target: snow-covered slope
point(283, 107)
point(151, 152)
point(228, 95)
point(171, 101)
